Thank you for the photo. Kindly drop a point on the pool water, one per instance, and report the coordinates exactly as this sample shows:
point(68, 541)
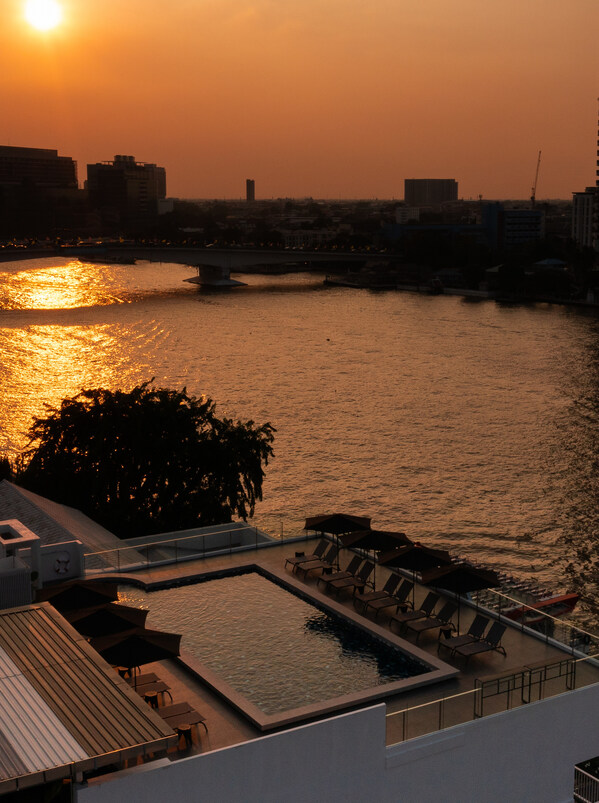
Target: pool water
point(271, 646)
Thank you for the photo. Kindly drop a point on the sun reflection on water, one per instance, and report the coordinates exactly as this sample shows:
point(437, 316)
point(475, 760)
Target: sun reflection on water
point(41, 365)
point(63, 286)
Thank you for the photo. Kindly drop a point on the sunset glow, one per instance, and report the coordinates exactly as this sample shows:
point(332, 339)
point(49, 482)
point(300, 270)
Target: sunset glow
point(315, 98)
point(43, 14)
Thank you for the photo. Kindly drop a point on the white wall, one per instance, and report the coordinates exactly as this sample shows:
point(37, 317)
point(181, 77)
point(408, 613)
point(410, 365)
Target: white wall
point(521, 756)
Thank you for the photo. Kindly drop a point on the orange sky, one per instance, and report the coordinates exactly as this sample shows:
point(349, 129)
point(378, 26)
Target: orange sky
point(322, 98)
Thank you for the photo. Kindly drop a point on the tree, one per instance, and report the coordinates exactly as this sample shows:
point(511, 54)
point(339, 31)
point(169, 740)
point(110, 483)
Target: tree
point(147, 461)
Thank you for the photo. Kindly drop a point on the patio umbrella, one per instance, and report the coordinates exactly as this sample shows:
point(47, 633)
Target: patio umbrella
point(337, 524)
point(136, 647)
point(416, 558)
point(79, 594)
point(106, 620)
point(375, 541)
point(461, 578)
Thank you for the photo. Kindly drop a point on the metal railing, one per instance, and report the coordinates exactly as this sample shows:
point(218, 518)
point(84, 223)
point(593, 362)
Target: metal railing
point(586, 787)
point(534, 683)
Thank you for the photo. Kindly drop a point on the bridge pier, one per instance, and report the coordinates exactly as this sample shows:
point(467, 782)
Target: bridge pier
point(214, 276)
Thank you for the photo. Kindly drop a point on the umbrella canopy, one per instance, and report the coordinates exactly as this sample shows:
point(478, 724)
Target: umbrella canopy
point(337, 523)
point(106, 620)
point(416, 558)
point(375, 540)
point(136, 647)
point(461, 578)
point(79, 594)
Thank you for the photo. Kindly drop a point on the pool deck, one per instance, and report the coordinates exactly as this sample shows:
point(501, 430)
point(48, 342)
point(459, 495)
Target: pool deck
point(227, 727)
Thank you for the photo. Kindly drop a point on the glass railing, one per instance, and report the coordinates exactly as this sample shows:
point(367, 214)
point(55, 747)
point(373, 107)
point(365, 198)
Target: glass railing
point(511, 689)
point(173, 550)
point(546, 627)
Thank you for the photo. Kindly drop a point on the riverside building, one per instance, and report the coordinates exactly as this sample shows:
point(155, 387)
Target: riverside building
point(500, 727)
point(124, 190)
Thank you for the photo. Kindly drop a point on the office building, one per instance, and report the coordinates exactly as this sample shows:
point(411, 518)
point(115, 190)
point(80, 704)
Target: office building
point(430, 191)
point(250, 189)
point(125, 190)
point(38, 167)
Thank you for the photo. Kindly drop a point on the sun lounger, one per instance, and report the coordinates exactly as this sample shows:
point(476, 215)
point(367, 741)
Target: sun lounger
point(425, 610)
point(397, 601)
point(358, 581)
point(442, 619)
point(385, 592)
point(473, 634)
point(352, 568)
point(492, 641)
point(326, 562)
point(316, 555)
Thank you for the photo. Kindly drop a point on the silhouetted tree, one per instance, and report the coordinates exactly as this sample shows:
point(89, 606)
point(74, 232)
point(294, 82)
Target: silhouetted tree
point(147, 461)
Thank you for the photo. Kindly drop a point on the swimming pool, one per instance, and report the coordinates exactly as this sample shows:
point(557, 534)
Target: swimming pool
point(255, 641)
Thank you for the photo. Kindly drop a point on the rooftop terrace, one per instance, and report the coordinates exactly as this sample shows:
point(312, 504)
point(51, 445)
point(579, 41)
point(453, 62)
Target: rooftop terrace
point(535, 666)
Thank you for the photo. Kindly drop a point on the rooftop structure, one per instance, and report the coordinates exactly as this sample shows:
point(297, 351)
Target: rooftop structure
point(63, 710)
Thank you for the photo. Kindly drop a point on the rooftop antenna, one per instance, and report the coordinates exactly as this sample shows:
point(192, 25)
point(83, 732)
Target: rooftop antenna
point(533, 192)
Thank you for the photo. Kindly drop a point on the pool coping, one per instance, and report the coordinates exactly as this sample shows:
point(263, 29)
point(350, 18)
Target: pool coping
point(439, 670)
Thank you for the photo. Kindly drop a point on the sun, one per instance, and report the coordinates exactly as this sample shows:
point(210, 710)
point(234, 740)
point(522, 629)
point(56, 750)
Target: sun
point(43, 14)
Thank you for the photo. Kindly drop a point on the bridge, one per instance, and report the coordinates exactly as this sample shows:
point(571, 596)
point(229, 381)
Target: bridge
point(214, 265)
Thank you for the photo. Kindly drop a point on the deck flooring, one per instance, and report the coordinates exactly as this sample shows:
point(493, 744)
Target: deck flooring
point(226, 727)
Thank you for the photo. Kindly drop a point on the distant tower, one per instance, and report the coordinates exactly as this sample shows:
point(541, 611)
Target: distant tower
point(250, 189)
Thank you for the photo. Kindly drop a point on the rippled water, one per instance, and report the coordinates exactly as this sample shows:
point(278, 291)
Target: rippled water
point(470, 425)
point(255, 646)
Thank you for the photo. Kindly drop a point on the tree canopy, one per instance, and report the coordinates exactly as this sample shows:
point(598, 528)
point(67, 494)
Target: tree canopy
point(146, 461)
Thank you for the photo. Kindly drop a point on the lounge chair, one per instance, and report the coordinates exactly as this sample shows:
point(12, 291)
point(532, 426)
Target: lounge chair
point(352, 568)
point(473, 634)
point(319, 551)
point(442, 619)
point(358, 581)
point(385, 592)
point(492, 641)
point(398, 600)
point(326, 562)
point(425, 610)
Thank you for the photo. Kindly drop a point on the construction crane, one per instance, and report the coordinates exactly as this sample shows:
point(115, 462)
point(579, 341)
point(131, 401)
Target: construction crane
point(533, 192)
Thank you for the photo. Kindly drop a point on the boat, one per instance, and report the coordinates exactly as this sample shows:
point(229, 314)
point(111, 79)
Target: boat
point(533, 613)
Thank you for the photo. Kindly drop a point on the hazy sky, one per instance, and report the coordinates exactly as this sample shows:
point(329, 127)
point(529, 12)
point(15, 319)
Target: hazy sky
point(322, 98)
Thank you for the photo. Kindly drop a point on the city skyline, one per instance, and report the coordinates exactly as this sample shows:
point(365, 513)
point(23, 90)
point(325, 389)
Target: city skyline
point(313, 99)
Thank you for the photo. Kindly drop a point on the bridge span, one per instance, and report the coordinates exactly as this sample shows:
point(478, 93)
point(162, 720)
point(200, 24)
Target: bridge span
point(214, 265)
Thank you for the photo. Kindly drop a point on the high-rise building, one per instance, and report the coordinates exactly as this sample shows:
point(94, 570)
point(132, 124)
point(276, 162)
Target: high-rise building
point(39, 167)
point(126, 190)
point(430, 191)
point(584, 207)
point(250, 189)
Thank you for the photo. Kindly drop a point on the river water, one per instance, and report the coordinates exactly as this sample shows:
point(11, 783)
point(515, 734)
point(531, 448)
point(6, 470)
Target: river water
point(469, 425)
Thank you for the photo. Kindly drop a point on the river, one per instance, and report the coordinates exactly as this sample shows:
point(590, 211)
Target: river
point(469, 425)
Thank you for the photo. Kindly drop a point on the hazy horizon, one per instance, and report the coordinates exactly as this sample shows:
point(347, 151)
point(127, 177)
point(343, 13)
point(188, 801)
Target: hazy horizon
point(313, 99)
